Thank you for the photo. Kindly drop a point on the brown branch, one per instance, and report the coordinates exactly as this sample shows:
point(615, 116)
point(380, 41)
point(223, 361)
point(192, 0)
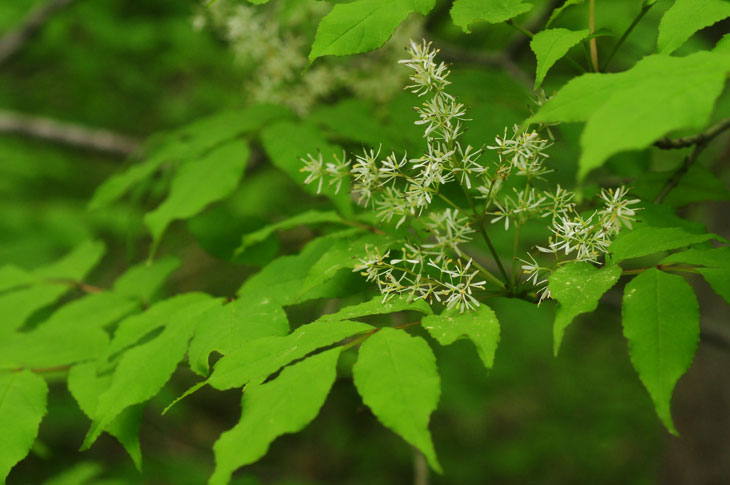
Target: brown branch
point(687, 141)
point(70, 134)
point(14, 40)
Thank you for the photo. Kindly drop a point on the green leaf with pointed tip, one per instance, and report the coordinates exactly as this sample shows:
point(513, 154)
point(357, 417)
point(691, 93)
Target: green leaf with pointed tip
point(686, 17)
point(143, 370)
point(198, 183)
point(717, 262)
point(302, 138)
point(466, 12)
point(550, 46)
point(284, 405)
point(556, 13)
point(361, 26)
point(133, 328)
point(304, 218)
point(646, 240)
point(85, 387)
point(281, 280)
point(578, 286)
point(225, 328)
point(76, 264)
point(78, 474)
point(262, 357)
point(22, 407)
point(397, 378)
point(343, 254)
point(376, 306)
point(143, 280)
point(661, 323)
point(480, 326)
point(616, 122)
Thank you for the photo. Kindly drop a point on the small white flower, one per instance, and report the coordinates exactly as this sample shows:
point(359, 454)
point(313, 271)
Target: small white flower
point(314, 167)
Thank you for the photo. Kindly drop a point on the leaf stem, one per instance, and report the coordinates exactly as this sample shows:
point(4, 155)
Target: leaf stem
point(592, 26)
point(625, 35)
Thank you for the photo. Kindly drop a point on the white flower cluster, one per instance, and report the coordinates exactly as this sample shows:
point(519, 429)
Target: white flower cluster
point(418, 275)
point(398, 188)
point(271, 41)
point(586, 238)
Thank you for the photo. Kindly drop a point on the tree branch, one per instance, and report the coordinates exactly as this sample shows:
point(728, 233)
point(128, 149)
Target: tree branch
point(70, 134)
point(687, 141)
point(14, 40)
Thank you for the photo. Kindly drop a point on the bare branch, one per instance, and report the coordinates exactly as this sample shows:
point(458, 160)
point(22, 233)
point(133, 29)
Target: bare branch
point(704, 137)
point(13, 40)
point(77, 136)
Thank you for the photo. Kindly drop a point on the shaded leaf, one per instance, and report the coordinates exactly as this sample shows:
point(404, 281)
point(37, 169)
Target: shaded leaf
point(143, 280)
point(301, 219)
point(717, 262)
point(556, 13)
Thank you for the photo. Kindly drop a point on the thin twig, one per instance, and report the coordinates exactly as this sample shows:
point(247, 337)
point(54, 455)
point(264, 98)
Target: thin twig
point(14, 40)
point(680, 172)
point(625, 35)
point(687, 141)
point(70, 134)
point(592, 26)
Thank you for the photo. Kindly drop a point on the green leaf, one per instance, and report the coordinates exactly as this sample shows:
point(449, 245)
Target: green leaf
point(284, 405)
point(361, 26)
point(343, 254)
point(262, 357)
point(560, 9)
point(466, 12)
point(550, 46)
point(142, 371)
point(93, 310)
point(376, 306)
point(79, 474)
point(646, 240)
point(578, 286)
point(617, 122)
point(301, 219)
point(480, 326)
point(12, 276)
point(225, 328)
point(353, 119)
point(661, 323)
point(397, 378)
point(281, 280)
point(133, 328)
point(86, 387)
point(686, 17)
point(286, 142)
point(723, 45)
point(716, 273)
point(199, 183)
point(188, 143)
point(22, 407)
point(49, 283)
point(143, 280)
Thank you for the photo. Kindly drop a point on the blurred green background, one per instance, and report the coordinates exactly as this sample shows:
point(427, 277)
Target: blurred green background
point(144, 67)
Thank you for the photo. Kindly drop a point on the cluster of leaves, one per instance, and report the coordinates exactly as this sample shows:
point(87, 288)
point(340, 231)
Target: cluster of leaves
point(118, 347)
